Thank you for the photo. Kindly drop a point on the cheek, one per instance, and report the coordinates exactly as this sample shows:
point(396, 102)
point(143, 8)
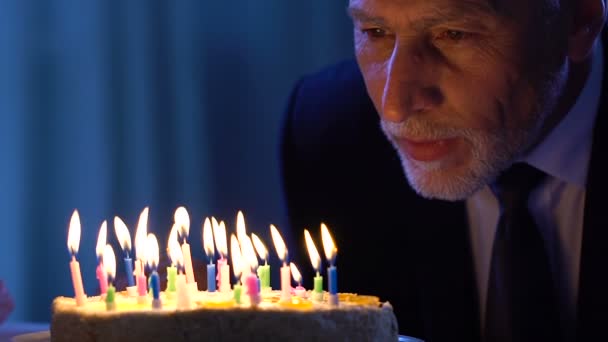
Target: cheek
point(490, 96)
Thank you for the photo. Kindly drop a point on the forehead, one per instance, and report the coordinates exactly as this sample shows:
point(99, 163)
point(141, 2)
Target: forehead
point(412, 9)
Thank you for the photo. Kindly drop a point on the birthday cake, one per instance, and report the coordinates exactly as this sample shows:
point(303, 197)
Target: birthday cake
point(246, 310)
point(356, 318)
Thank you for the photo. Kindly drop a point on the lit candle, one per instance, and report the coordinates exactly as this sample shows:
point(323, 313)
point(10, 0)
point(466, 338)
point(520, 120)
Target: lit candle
point(300, 291)
point(223, 276)
point(152, 262)
point(109, 265)
point(241, 234)
point(101, 244)
point(250, 261)
point(183, 291)
point(183, 222)
point(263, 270)
point(315, 260)
point(124, 238)
point(235, 249)
point(174, 254)
point(279, 244)
point(332, 274)
point(140, 254)
point(210, 251)
point(73, 244)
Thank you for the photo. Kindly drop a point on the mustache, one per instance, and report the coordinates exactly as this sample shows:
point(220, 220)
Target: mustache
point(421, 129)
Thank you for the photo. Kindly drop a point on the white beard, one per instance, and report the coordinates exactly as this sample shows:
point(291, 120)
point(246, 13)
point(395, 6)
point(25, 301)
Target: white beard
point(490, 152)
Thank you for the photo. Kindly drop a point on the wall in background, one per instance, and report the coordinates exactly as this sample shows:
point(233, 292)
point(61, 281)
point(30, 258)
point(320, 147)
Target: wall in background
point(109, 106)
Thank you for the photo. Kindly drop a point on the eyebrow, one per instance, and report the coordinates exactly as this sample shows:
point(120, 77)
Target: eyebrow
point(470, 12)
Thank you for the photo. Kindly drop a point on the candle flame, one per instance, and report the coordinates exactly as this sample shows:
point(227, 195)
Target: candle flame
point(152, 254)
point(279, 244)
point(219, 232)
point(297, 276)
point(328, 244)
point(183, 221)
point(259, 247)
point(109, 262)
point(315, 258)
point(208, 239)
point(140, 235)
point(122, 233)
point(74, 233)
point(240, 225)
point(102, 239)
point(175, 251)
point(235, 250)
point(249, 253)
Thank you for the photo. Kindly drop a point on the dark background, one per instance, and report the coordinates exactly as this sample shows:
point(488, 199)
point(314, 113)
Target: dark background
point(108, 106)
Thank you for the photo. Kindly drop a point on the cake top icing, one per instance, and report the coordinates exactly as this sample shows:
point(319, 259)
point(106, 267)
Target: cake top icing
point(271, 300)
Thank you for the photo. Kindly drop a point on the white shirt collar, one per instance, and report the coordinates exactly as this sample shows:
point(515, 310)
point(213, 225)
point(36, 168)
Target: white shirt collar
point(566, 151)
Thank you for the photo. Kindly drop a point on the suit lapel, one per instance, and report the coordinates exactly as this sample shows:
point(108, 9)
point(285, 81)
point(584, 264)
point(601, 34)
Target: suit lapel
point(593, 281)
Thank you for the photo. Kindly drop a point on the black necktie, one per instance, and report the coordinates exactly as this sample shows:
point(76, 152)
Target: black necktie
point(521, 303)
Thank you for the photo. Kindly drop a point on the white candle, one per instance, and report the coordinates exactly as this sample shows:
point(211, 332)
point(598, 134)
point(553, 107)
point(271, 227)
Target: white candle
point(182, 220)
point(188, 262)
point(183, 293)
point(285, 283)
point(279, 244)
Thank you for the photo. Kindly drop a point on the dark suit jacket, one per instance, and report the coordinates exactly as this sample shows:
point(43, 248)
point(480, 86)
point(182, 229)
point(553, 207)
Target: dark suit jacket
point(338, 168)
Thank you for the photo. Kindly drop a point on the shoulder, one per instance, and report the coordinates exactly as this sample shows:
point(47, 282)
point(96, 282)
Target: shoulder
point(330, 107)
point(334, 85)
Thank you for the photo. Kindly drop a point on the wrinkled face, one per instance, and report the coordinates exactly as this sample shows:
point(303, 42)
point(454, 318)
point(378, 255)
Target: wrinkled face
point(462, 86)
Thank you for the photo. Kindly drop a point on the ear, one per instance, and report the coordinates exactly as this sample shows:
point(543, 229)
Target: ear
point(588, 18)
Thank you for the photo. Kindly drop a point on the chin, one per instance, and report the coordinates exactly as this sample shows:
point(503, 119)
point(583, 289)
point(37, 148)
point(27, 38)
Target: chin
point(460, 175)
point(435, 180)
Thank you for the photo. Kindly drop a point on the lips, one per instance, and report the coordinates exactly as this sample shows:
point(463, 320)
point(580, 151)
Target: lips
point(428, 150)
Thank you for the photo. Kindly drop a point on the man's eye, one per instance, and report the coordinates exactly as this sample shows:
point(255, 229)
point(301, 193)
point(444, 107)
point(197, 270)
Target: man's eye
point(374, 32)
point(453, 35)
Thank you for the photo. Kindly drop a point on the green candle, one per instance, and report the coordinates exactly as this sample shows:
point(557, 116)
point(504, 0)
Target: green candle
point(264, 274)
point(110, 304)
point(171, 277)
point(237, 293)
point(318, 289)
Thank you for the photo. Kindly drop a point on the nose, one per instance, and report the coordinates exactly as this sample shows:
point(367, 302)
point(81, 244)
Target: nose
point(409, 86)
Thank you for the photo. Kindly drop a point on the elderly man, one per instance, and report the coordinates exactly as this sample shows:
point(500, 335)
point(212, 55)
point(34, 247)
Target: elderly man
point(493, 112)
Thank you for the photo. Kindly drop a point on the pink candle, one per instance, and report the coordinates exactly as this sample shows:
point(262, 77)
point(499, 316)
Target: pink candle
point(253, 289)
point(103, 280)
point(223, 275)
point(142, 283)
point(299, 291)
point(73, 244)
point(101, 244)
point(81, 298)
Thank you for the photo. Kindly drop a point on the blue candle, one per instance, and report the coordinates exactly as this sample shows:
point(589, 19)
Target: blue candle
point(211, 277)
point(129, 270)
point(332, 275)
point(155, 284)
